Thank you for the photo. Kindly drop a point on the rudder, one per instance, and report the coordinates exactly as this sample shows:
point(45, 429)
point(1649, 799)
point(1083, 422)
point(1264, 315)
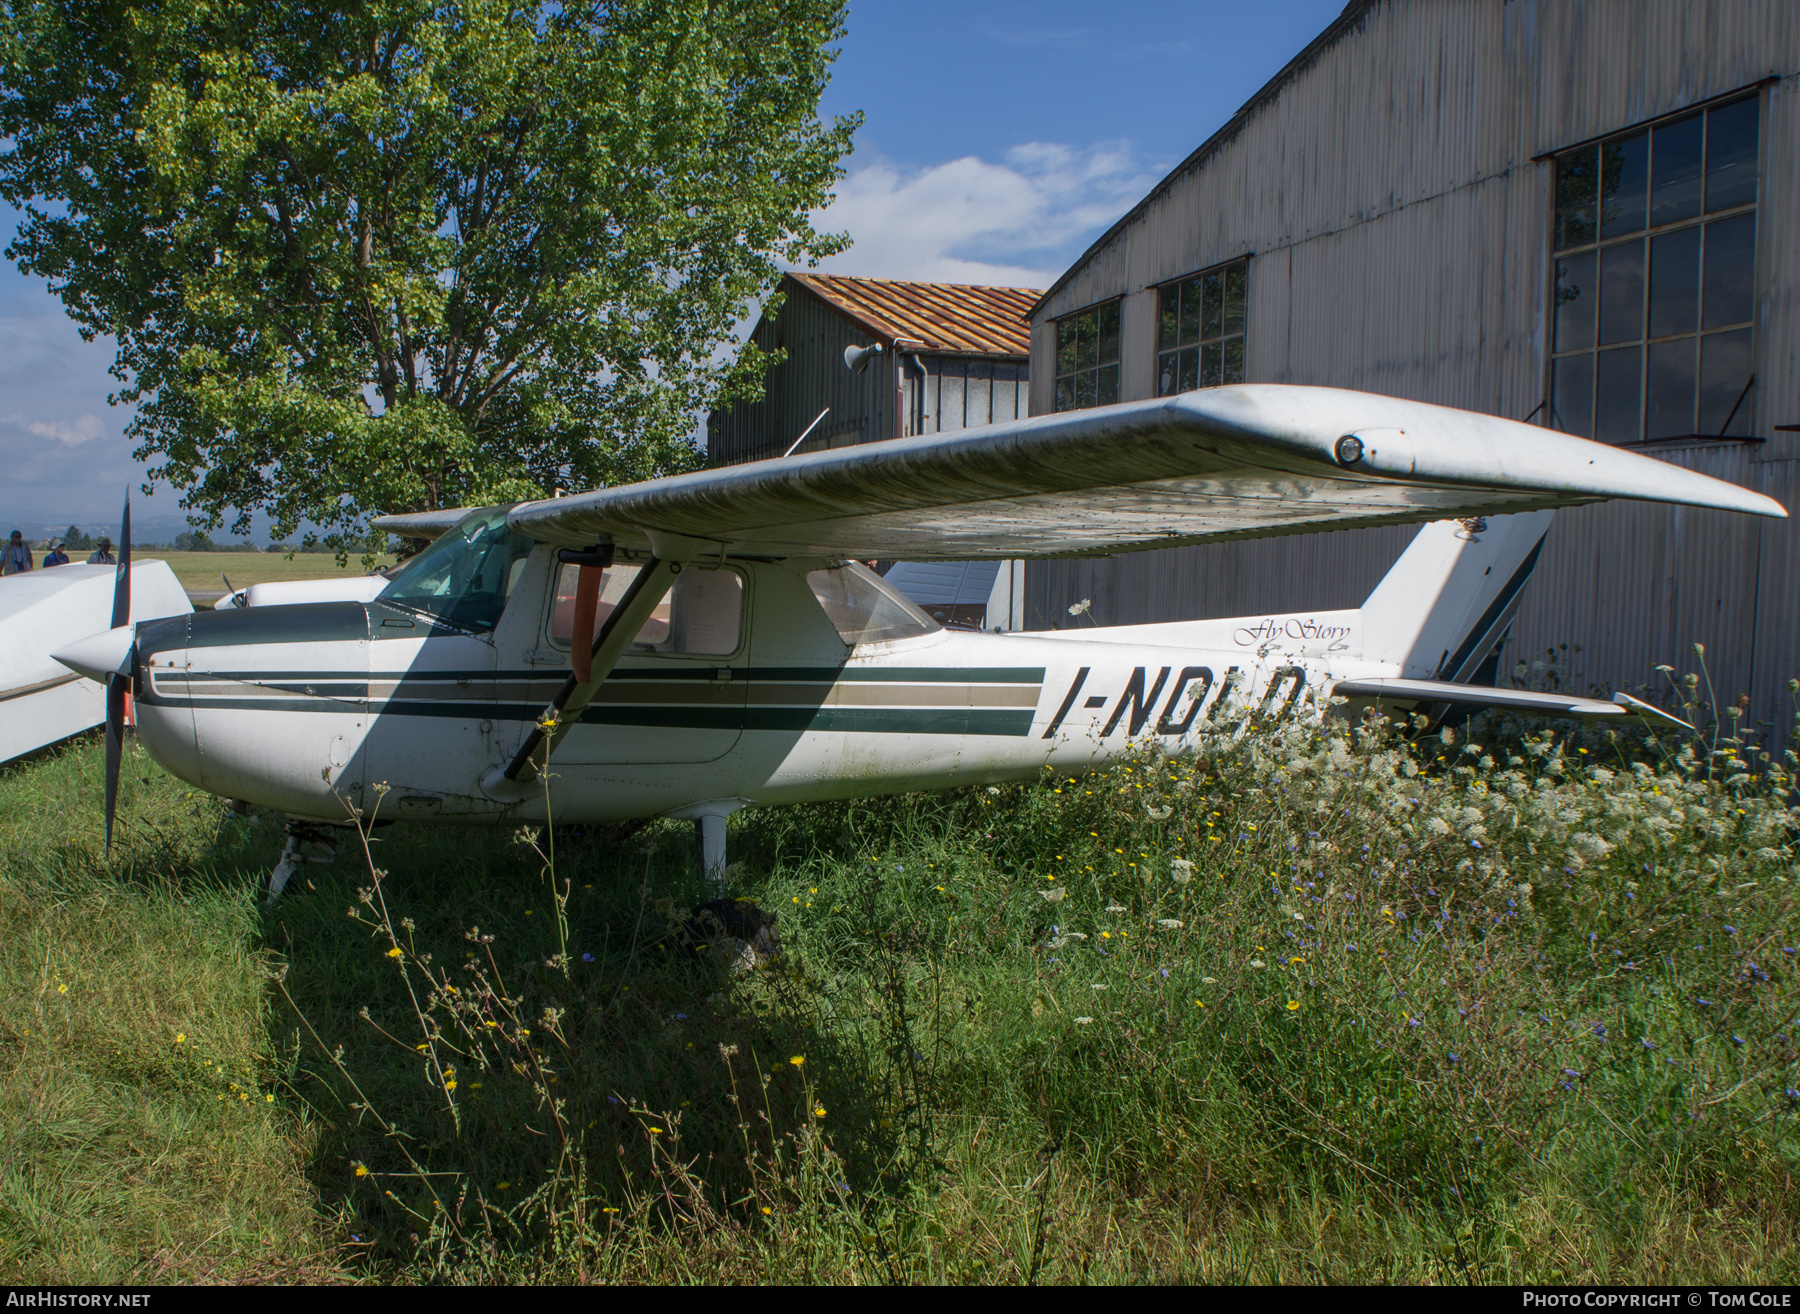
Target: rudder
point(1452, 595)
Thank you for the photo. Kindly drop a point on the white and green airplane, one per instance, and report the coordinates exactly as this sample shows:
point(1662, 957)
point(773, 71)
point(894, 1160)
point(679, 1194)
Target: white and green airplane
point(688, 646)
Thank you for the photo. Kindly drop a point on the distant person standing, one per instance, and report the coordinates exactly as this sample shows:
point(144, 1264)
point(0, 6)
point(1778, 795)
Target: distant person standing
point(17, 559)
point(103, 555)
point(56, 556)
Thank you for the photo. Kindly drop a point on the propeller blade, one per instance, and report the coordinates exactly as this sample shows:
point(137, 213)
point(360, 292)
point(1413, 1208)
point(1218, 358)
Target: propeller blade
point(118, 686)
point(122, 577)
point(115, 744)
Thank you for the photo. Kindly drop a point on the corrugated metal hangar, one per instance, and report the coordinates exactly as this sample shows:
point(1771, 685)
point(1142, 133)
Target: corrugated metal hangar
point(944, 357)
point(1575, 212)
point(1581, 212)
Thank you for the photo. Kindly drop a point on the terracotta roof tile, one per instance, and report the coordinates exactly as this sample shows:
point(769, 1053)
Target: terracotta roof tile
point(947, 317)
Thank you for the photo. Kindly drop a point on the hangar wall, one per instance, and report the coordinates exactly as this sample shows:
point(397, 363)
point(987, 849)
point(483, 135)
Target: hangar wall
point(1393, 192)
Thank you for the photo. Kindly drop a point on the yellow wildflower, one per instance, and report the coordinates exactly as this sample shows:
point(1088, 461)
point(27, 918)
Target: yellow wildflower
point(394, 952)
point(799, 1060)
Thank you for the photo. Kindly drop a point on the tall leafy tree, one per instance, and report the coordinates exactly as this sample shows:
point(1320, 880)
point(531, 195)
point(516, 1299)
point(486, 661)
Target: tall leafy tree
point(395, 255)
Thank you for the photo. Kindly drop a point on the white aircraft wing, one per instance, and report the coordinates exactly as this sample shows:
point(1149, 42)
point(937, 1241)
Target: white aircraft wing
point(422, 524)
point(1236, 462)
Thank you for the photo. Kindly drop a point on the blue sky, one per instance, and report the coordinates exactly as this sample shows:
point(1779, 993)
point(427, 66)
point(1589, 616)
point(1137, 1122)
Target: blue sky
point(998, 140)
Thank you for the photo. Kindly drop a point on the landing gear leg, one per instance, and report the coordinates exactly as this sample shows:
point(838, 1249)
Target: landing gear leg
point(298, 833)
point(709, 834)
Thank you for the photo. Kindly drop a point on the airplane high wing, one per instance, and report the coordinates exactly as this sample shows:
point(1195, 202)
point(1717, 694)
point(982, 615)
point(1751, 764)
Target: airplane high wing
point(1236, 462)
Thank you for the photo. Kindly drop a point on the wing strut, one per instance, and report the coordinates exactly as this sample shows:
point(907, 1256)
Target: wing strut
point(616, 633)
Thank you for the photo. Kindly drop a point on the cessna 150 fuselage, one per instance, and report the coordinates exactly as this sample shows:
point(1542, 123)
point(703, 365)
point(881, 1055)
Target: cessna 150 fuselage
point(691, 645)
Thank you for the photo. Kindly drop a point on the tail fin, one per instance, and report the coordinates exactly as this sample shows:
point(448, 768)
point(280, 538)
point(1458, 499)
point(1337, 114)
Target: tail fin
point(1449, 600)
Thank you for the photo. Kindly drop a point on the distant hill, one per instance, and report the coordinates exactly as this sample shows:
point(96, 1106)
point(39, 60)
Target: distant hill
point(37, 526)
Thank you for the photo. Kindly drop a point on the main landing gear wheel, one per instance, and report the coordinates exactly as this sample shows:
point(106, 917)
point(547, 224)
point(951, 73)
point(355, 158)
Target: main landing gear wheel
point(737, 934)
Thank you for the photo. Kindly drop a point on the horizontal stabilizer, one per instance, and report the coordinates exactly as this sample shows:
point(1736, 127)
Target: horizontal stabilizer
point(1518, 700)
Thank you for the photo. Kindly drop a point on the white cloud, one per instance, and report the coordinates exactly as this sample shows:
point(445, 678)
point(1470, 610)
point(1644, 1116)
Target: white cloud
point(70, 433)
point(1018, 223)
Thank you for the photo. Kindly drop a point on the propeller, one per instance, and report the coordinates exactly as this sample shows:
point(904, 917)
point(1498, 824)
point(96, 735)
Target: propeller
point(118, 683)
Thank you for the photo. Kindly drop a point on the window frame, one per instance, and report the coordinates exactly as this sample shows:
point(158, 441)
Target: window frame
point(1749, 401)
point(1057, 376)
point(550, 644)
point(1201, 341)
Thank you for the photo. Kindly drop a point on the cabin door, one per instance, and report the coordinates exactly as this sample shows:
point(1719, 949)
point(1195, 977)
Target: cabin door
point(678, 694)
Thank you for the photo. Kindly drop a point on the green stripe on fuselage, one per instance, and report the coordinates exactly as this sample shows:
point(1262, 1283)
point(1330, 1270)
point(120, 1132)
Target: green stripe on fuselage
point(847, 720)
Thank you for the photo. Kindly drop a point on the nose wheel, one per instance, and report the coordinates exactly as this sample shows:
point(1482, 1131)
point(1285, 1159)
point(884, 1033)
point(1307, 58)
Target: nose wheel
point(299, 833)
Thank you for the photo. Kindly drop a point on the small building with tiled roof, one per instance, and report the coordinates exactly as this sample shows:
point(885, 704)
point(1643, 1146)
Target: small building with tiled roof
point(948, 356)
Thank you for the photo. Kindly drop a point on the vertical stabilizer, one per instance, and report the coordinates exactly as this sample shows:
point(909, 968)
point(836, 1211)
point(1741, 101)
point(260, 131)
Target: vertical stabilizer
point(1448, 601)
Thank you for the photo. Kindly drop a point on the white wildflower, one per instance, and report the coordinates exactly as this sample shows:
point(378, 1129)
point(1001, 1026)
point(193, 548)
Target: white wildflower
point(1080, 609)
point(1589, 845)
point(1171, 924)
point(1057, 895)
point(1157, 814)
point(1115, 908)
point(1182, 870)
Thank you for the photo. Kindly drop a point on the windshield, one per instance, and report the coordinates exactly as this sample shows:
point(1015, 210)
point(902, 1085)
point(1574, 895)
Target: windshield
point(465, 576)
point(864, 607)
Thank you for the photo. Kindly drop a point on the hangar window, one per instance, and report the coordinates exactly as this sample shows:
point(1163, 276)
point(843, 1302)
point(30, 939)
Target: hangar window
point(1653, 287)
point(1200, 329)
point(1087, 358)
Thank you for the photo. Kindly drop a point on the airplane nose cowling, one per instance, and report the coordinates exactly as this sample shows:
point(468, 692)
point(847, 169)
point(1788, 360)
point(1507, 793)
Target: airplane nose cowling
point(99, 655)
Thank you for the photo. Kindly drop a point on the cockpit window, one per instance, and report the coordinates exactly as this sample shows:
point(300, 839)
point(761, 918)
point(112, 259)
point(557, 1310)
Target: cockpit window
point(465, 576)
point(865, 608)
point(702, 614)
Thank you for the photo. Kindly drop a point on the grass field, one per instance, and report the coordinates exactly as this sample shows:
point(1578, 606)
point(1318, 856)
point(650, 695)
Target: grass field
point(1324, 1006)
point(199, 571)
